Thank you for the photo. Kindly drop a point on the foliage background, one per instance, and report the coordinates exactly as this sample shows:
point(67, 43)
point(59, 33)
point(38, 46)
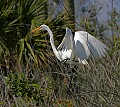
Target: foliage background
point(30, 74)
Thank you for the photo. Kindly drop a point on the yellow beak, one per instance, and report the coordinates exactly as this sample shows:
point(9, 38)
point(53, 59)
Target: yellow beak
point(35, 29)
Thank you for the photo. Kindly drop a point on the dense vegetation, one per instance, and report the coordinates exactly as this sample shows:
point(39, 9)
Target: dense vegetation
point(30, 74)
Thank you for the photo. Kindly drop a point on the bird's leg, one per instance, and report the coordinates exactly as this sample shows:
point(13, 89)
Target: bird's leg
point(69, 87)
point(65, 60)
point(72, 86)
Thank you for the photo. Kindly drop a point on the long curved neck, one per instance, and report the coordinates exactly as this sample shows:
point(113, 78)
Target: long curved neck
point(52, 42)
point(51, 36)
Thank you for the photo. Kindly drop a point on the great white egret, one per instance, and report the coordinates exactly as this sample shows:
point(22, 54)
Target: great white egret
point(78, 48)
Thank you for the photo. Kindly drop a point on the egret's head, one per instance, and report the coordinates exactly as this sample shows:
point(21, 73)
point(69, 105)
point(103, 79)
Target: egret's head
point(42, 27)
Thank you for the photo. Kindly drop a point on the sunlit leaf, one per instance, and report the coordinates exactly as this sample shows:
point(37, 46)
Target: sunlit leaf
point(21, 49)
point(32, 53)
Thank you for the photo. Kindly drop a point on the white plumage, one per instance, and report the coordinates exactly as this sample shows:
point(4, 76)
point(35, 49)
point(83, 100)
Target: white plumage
point(80, 47)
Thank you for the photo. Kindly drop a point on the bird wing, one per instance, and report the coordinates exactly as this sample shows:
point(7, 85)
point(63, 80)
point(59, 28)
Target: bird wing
point(90, 44)
point(67, 45)
point(62, 44)
point(67, 42)
point(81, 49)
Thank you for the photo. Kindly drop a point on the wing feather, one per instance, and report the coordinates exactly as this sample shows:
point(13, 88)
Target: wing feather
point(67, 42)
point(81, 48)
point(96, 47)
point(61, 46)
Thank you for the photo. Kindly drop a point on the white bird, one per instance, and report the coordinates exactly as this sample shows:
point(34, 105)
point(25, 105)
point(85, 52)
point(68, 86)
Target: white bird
point(78, 48)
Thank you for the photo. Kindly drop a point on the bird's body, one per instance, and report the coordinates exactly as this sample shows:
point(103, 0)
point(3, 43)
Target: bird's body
point(60, 54)
point(80, 47)
point(64, 54)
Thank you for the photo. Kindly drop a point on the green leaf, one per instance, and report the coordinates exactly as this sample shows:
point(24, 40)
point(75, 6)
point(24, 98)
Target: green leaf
point(32, 53)
point(21, 50)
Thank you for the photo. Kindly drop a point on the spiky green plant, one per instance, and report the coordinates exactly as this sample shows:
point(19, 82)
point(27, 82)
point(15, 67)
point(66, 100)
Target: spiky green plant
point(25, 15)
point(69, 13)
point(16, 17)
point(36, 46)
